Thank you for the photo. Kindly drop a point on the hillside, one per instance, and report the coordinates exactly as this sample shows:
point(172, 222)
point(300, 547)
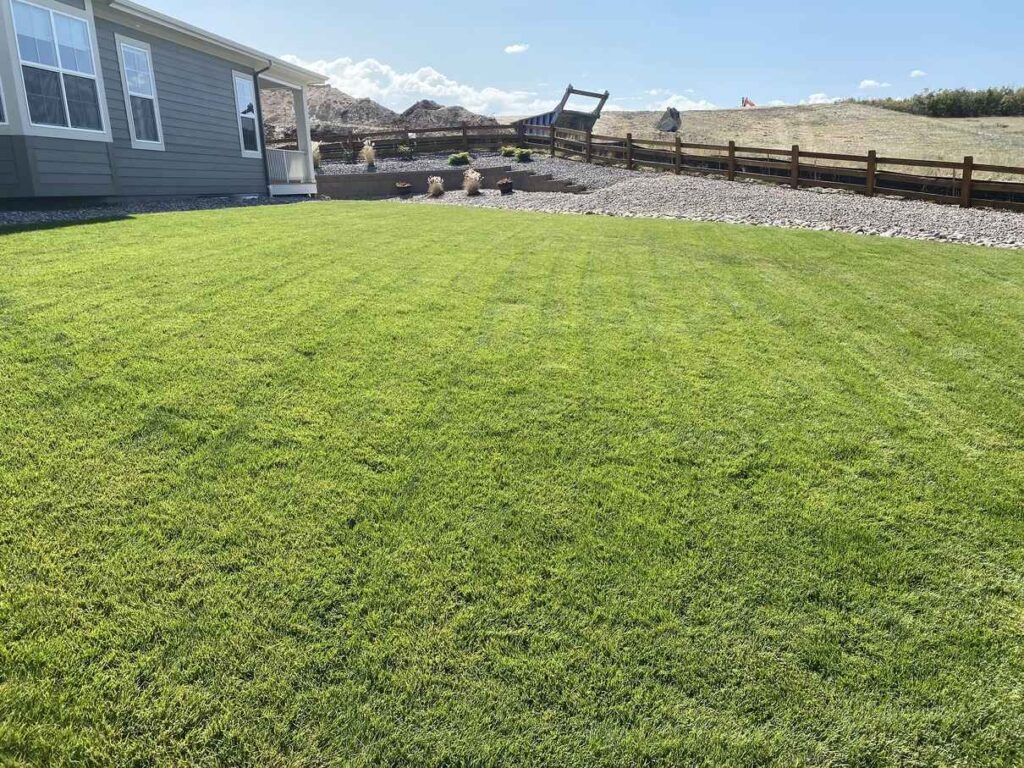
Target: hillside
point(840, 128)
point(334, 114)
point(430, 114)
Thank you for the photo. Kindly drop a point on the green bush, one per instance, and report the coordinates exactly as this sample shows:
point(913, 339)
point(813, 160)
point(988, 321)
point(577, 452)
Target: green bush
point(461, 158)
point(960, 102)
point(524, 156)
point(509, 151)
point(405, 152)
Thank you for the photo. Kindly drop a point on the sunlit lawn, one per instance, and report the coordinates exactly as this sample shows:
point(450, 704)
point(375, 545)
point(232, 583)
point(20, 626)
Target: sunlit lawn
point(371, 484)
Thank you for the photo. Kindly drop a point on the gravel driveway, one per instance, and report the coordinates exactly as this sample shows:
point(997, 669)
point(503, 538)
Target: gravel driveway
point(696, 198)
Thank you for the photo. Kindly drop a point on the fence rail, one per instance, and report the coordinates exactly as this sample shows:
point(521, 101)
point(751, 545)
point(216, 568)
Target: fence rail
point(870, 174)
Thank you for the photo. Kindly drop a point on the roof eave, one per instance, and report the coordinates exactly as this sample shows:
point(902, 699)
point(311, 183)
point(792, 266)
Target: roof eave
point(281, 69)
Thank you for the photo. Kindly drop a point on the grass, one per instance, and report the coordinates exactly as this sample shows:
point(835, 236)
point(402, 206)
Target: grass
point(368, 484)
point(843, 128)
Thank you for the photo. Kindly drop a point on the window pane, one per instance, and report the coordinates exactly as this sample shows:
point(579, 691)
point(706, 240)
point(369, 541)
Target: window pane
point(245, 96)
point(45, 105)
point(83, 103)
point(74, 43)
point(35, 37)
point(137, 71)
point(249, 140)
point(144, 115)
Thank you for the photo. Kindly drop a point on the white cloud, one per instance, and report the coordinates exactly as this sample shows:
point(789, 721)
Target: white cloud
point(381, 82)
point(918, 73)
point(820, 98)
point(682, 103)
point(778, 103)
point(517, 48)
point(867, 84)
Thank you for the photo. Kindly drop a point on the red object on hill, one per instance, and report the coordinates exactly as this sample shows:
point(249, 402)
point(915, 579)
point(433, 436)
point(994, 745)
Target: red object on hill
point(748, 103)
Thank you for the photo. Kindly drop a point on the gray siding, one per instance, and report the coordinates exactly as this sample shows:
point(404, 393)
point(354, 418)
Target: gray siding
point(79, 4)
point(197, 110)
point(15, 173)
point(202, 156)
point(68, 168)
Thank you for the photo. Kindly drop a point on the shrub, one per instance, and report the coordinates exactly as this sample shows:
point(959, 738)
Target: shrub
point(435, 186)
point(471, 182)
point(317, 156)
point(960, 102)
point(405, 152)
point(509, 151)
point(368, 154)
point(524, 156)
point(461, 158)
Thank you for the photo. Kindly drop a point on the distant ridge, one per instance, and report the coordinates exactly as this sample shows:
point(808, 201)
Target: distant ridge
point(335, 115)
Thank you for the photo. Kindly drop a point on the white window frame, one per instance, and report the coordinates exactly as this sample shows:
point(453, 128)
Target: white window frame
point(248, 153)
point(137, 143)
point(62, 131)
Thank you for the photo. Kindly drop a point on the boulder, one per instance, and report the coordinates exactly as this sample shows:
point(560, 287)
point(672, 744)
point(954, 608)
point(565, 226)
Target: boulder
point(670, 121)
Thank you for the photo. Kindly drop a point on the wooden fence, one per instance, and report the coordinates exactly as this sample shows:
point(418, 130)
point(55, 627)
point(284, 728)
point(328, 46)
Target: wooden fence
point(424, 141)
point(964, 183)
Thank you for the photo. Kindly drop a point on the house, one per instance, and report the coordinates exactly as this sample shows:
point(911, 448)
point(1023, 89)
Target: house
point(108, 99)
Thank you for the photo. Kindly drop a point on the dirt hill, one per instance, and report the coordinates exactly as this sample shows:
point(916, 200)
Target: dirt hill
point(334, 115)
point(430, 114)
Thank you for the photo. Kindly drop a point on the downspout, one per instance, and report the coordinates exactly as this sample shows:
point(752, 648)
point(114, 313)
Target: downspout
point(262, 129)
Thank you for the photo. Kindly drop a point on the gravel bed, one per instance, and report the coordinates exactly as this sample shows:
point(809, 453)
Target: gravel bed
point(696, 198)
point(40, 215)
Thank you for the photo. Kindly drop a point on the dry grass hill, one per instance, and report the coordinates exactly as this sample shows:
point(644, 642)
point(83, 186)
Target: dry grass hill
point(848, 128)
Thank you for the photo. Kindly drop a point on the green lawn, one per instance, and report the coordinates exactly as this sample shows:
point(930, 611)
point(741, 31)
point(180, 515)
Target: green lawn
point(369, 484)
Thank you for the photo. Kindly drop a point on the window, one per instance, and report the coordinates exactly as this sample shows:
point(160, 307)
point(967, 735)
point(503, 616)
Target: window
point(140, 94)
point(248, 120)
point(58, 68)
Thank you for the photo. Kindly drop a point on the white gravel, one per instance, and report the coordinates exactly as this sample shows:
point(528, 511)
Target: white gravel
point(696, 198)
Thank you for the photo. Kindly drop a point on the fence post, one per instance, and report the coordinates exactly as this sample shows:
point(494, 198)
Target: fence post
point(679, 154)
point(629, 151)
point(732, 161)
point(590, 145)
point(520, 134)
point(552, 139)
point(794, 167)
point(869, 182)
point(967, 182)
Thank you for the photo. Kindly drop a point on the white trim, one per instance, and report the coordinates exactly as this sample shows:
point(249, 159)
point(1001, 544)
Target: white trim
point(5, 117)
point(61, 131)
point(256, 154)
point(121, 42)
point(294, 75)
point(292, 189)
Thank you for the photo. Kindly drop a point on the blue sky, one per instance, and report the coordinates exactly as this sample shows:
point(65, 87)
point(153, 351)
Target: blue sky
point(649, 54)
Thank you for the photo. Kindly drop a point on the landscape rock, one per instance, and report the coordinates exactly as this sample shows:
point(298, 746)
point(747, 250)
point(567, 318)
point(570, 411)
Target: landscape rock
point(670, 121)
point(635, 194)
